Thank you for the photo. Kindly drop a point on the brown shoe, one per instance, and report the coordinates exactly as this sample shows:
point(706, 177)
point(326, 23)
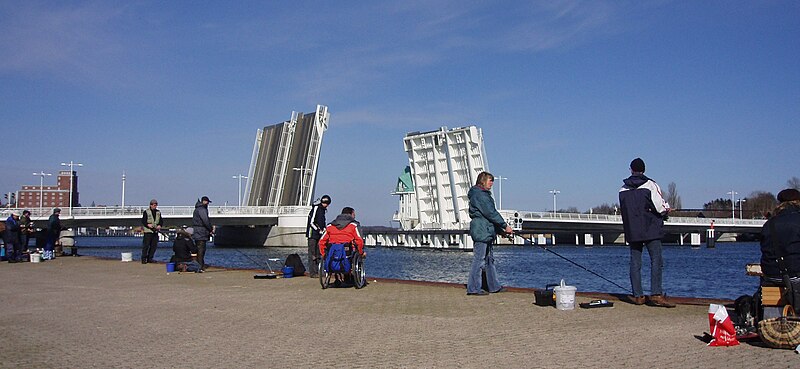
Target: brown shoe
point(659, 301)
point(636, 300)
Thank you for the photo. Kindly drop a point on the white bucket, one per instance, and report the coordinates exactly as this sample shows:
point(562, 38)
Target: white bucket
point(127, 256)
point(36, 258)
point(565, 296)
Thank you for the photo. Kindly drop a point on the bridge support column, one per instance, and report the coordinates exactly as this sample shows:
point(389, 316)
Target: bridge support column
point(711, 239)
point(577, 239)
point(601, 239)
point(540, 240)
point(695, 239)
point(588, 239)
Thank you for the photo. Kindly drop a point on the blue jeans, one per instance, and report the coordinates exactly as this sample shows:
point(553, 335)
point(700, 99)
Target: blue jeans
point(483, 259)
point(656, 266)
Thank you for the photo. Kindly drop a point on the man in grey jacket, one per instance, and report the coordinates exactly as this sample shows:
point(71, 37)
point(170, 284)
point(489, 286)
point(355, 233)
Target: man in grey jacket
point(203, 229)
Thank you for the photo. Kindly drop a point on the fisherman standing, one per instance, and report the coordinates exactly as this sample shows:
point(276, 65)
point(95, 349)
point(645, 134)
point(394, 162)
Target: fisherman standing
point(202, 230)
point(53, 234)
point(643, 213)
point(315, 226)
point(152, 222)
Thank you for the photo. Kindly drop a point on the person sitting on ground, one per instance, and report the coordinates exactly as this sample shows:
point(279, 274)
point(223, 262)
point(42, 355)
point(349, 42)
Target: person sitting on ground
point(344, 229)
point(780, 244)
point(185, 257)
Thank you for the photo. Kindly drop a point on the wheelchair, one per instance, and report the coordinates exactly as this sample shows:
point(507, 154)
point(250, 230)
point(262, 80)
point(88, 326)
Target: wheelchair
point(355, 276)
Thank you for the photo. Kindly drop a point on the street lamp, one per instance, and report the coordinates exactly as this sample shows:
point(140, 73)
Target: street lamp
point(71, 164)
point(123, 190)
point(733, 203)
point(303, 171)
point(41, 174)
point(554, 192)
point(239, 176)
point(500, 195)
point(740, 208)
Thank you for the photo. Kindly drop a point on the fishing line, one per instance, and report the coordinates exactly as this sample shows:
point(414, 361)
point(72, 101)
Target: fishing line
point(257, 262)
point(584, 268)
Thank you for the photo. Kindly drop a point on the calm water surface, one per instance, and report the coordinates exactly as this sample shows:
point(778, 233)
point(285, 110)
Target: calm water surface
point(688, 272)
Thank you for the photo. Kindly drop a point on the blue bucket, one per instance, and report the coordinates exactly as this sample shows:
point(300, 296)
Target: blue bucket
point(170, 267)
point(288, 272)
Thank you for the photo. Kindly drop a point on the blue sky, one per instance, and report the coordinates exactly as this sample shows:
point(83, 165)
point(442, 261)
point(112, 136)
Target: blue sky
point(566, 92)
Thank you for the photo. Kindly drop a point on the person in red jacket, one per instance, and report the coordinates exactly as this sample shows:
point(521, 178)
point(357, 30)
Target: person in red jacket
point(345, 228)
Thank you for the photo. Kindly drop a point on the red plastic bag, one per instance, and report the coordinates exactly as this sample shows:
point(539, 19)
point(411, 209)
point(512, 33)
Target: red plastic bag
point(721, 326)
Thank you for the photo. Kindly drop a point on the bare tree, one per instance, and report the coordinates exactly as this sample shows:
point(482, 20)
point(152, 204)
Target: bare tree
point(672, 197)
point(794, 182)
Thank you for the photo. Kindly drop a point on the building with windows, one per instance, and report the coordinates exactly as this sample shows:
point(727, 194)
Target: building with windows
point(33, 196)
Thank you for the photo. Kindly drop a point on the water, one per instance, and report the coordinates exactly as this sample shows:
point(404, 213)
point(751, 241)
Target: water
point(688, 272)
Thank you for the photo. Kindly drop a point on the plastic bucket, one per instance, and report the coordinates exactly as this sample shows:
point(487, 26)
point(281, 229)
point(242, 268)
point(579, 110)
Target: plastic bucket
point(288, 272)
point(565, 296)
point(127, 256)
point(170, 267)
point(36, 258)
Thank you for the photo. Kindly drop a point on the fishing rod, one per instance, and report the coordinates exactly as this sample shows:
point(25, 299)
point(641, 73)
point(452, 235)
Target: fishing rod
point(583, 267)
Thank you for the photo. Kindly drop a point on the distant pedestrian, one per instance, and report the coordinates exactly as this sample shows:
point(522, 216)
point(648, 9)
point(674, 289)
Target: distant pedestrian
point(11, 238)
point(202, 230)
point(484, 227)
point(53, 234)
point(643, 213)
point(152, 222)
point(25, 229)
point(315, 226)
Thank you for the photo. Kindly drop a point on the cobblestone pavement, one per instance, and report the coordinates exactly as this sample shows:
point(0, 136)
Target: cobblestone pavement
point(91, 313)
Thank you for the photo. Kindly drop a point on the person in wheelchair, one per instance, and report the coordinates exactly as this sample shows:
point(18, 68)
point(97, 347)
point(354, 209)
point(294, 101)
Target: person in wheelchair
point(342, 233)
point(780, 247)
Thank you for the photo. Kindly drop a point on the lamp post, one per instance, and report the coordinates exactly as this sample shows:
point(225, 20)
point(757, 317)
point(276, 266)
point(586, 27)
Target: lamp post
point(123, 190)
point(41, 174)
point(554, 192)
point(500, 195)
point(733, 204)
point(303, 171)
point(740, 208)
point(239, 176)
point(71, 164)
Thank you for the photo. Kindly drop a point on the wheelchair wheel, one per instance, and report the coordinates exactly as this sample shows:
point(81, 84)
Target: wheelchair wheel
point(324, 276)
point(358, 273)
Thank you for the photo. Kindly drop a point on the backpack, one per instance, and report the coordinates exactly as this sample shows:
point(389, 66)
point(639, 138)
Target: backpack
point(294, 261)
point(336, 260)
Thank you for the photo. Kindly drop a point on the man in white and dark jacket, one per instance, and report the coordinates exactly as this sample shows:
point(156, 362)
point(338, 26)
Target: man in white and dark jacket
point(315, 226)
point(643, 212)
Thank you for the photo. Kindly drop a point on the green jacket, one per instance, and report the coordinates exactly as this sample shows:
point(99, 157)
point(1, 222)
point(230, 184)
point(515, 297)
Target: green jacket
point(486, 221)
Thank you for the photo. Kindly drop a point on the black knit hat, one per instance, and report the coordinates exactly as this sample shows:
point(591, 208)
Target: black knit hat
point(789, 194)
point(637, 165)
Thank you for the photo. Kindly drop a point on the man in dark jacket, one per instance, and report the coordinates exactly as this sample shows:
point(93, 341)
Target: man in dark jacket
point(202, 230)
point(25, 229)
point(11, 238)
point(780, 237)
point(53, 234)
point(643, 212)
point(315, 226)
point(185, 251)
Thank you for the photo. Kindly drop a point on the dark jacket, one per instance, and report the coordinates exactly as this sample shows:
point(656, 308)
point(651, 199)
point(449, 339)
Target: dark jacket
point(316, 221)
point(11, 234)
point(54, 226)
point(486, 221)
point(643, 209)
point(780, 238)
point(200, 222)
point(183, 247)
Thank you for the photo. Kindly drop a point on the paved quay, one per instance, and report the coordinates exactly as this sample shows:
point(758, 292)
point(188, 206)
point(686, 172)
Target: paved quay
point(93, 313)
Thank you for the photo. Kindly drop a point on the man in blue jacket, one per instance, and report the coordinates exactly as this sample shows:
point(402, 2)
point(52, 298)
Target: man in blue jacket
point(11, 238)
point(486, 223)
point(643, 212)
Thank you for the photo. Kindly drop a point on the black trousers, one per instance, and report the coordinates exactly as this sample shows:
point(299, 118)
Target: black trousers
point(313, 256)
point(201, 253)
point(149, 244)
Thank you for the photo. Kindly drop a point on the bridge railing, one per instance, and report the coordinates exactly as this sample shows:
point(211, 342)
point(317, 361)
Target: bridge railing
point(167, 211)
point(578, 217)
